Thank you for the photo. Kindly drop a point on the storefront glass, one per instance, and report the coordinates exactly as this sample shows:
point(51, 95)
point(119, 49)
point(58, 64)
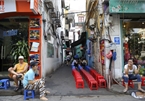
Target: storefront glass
point(13, 33)
point(134, 41)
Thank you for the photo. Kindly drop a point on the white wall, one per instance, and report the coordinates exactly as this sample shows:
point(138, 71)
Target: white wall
point(115, 31)
point(51, 64)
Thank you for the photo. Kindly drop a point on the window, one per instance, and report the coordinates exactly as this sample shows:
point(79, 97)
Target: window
point(49, 36)
point(81, 19)
point(50, 50)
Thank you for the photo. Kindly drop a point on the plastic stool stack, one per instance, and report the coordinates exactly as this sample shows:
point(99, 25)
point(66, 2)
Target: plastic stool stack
point(27, 95)
point(78, 79)
point(99, 78)
point(4, 83)
point(92, 83)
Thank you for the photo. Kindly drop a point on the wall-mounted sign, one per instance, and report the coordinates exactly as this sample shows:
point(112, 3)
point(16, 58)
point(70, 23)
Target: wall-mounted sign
point(34, 6)
point(7, 6)
point(117, 40)
point(129, 6)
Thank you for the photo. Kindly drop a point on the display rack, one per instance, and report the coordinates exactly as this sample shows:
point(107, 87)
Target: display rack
point(34, 40)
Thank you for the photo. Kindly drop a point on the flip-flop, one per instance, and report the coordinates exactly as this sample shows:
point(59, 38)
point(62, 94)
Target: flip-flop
point(125, 90)
point(16, 89)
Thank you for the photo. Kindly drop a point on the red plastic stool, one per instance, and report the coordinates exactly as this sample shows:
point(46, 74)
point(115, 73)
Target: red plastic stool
point(130, 83)
point(79, 83)
point(99, 77)
point(143, 81)
point(93, 85)
point(102, 83)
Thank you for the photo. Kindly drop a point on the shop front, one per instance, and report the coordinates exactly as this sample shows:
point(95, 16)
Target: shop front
point(20, 32)
point(131, 27)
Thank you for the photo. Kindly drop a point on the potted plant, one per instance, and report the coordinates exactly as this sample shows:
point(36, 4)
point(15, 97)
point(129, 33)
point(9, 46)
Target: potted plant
point(142, 71)
point(18, 49)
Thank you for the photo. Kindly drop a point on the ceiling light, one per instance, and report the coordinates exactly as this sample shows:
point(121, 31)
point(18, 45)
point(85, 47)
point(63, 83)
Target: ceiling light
point(124, 26)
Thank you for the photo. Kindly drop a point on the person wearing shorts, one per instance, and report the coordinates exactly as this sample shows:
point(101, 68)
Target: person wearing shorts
point(18, 71)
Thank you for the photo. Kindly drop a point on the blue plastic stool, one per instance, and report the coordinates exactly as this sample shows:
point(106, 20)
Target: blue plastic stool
point(5, 83)
point(87, 68)
point(26, 95)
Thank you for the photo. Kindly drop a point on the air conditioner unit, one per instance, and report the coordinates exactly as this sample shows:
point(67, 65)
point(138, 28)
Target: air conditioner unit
point(100, 9)
point(91, 21)
point(110, 18)
point(106, 22)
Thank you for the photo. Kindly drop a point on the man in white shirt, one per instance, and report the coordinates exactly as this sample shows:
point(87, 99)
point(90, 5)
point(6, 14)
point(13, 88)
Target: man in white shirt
point(131, 73)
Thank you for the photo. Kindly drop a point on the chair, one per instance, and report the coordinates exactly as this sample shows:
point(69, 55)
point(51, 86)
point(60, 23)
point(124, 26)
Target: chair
point(26, 94)
point(143, 81)
point(130, 83)
point(5, 83)
point(79, 83)
point(93, 85)
point(102, 83)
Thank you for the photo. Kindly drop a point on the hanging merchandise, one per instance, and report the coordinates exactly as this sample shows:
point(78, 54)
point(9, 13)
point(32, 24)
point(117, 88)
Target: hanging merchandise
point(89, 53)
point(102, 52)
point(114, 54)
point(109, 55)
point(126, 50)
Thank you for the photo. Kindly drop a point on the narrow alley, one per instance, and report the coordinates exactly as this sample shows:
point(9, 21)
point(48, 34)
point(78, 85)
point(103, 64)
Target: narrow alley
point(62, 83)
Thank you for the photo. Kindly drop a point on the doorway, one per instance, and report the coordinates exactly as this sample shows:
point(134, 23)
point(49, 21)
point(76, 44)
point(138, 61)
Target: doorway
point(12, 30)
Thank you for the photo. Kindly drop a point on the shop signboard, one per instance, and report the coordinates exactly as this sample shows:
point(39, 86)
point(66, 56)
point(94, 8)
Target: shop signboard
point(129, 6)
point(7, 6)
point(34, 6)
point(10, 33)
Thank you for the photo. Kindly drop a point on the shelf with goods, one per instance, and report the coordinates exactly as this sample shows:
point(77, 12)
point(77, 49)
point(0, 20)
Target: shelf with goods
point(34, 40)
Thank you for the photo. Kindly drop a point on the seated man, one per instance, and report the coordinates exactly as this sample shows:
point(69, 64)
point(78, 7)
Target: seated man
point(30, 83)
point(75, 62)
point(68, 59)
point(83, 62)
point(131, 73)
point(18, 70)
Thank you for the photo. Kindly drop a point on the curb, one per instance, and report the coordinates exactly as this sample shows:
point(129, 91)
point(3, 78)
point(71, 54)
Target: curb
point(116, 92)
point(10, 92)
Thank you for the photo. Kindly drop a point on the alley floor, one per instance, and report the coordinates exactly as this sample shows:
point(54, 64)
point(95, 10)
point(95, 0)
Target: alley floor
point(61, 82)
point(74, 98)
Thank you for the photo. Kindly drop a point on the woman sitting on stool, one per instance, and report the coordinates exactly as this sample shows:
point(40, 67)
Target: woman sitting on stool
point(129, 70)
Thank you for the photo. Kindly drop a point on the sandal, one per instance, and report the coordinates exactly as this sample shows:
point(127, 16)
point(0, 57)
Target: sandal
point(125, 90)
point(141, 90)
point(16, 89)
point(47, 92)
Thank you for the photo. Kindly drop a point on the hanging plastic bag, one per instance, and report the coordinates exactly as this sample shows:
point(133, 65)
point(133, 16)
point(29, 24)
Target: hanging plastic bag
point(109, 55)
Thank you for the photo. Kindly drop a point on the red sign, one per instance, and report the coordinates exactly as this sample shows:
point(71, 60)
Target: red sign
point(34, 6)
point(1, 5)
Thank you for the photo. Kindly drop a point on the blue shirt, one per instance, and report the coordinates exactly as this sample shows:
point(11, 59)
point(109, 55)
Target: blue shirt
point(30, 75)
point(73, 63)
